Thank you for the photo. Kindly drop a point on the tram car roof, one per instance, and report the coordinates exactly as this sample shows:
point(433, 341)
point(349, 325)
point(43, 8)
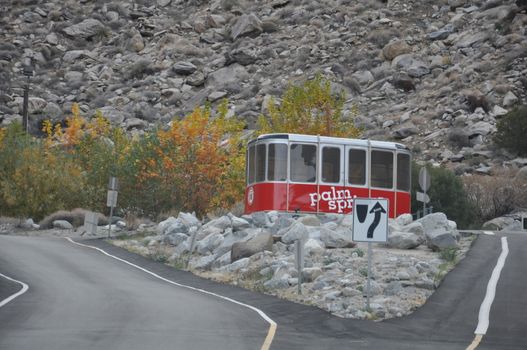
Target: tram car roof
point(334, 140)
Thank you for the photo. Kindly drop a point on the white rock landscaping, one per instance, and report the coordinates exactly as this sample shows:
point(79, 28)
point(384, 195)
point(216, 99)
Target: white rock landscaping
point(257, 252)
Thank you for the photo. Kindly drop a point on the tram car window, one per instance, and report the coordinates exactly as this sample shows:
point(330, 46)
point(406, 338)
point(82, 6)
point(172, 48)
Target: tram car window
point(277, 162)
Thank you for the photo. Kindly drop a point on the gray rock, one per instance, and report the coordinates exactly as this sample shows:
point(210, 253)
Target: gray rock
point(196, 79)
point(309, 274)
point(136, 42)
point(439, 232)
point(233, 74)
point(244, 56)
point(163, 3)
point(277, 283)
point(404, 219)
point(114, 115)
point(442, 33)
point(217, 95)
point(202, 263)
point(62, 225)
point(393, 288)
point(332, 239)
point(175, 238)
point(395, 48)
point(85, 29)
point(313, 246)
point(479, 128)
point(411, 64)
point(171, 226)
point(262, 241)
point(238, 265)
point(238, 224)
point(188, 219)
point(440, 241)
point(404, 240)
point(498, 224)
point(246, 25)
point(52, 39)
point(425, 283)
point(295, 232)
point(220, 223)
point(510, 99)
point(260, 219)
point(209, 243)
point(184, 68)
point(470, 39)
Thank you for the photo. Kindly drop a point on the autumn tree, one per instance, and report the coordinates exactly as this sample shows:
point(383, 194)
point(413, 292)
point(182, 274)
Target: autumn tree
point(310, 108)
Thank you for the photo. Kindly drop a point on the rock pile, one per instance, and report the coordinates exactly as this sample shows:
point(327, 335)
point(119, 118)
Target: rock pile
point(435, 74)
point(257, 251)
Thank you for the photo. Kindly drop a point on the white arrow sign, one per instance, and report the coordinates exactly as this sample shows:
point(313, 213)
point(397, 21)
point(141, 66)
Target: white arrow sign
point(370, 220)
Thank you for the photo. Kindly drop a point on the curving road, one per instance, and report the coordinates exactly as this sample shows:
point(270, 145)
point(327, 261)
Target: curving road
point(79, 298)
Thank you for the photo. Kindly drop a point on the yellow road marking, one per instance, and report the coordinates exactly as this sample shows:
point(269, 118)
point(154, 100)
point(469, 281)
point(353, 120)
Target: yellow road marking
point(270, 335)
point(475, 342)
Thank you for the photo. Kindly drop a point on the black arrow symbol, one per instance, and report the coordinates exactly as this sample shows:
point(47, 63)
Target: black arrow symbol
point(378, 210)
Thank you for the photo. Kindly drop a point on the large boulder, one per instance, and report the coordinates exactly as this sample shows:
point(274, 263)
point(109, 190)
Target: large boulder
point(333, 239)
point(498, 224)
point(439, 231)
point(295, 232)
point(171, 226)
point(209, 243)
point(262, 241)
point(188, 219)
point(85, 29)
point(411, 64)
point(175, 239)
point(404, 240)
point(246, 25)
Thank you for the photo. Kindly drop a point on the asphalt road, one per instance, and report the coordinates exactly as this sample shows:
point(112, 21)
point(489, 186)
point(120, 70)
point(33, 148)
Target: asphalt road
point(81, 299)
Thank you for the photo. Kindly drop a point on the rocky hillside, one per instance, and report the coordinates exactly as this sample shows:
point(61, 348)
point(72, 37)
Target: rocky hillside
point(434, 74)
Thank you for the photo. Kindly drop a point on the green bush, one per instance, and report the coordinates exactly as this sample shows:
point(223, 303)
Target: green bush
point(447, 195)
point(511, 131)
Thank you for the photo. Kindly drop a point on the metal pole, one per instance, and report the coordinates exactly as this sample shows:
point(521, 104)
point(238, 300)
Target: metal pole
point(25, 112)
point(424, 203)
point(368, 286)
point(298, 251)
point(110, 224)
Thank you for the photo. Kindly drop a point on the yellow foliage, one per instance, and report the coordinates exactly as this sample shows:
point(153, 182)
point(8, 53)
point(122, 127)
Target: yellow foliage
point(309, 109)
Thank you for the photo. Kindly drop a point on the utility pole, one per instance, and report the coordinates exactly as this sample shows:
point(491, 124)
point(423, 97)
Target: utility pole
point(28, 72)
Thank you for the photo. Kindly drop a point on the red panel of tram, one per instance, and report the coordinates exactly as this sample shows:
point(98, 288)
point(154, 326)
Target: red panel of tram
point(266, 196)
point(404, 203)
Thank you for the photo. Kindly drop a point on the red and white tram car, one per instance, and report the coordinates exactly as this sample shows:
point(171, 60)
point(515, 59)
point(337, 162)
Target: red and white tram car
point(318, 174)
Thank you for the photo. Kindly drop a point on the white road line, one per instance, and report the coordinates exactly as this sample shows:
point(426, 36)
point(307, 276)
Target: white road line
point(24, 289)
point(272, 324)
point(484, 310)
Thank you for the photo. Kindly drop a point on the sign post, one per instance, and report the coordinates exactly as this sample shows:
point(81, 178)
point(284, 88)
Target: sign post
point(370, 224)
point(111, 200)
point(424, 182)
point(299, 257)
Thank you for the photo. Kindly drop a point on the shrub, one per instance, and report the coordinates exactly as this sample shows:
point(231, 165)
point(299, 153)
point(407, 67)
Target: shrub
point(494, 196)
point(447, 195)
point(309, 109)
point(511, 131)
